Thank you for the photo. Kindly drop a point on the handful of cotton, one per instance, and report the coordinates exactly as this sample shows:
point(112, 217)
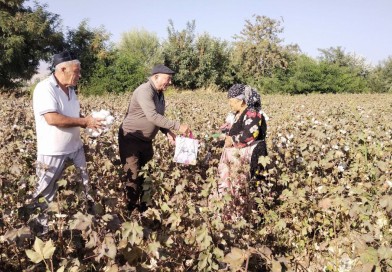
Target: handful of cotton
point(106, 123)
point(229, 122)
point(230, 118)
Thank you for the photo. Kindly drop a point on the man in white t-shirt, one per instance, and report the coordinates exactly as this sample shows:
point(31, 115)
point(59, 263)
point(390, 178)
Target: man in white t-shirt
point(58, 122)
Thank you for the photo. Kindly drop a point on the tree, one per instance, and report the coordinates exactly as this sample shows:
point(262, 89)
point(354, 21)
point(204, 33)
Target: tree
point(338, 56)
point(200, 61)
point(27, 35)
point(344, 72)
point(380, 79)
point(142, 46)
point(119, 73)
point(215, 66)
point(91, 46)
point(179, 54)
point(258, 50)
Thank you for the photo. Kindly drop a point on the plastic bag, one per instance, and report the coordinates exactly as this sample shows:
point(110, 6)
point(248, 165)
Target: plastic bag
point(186, 150)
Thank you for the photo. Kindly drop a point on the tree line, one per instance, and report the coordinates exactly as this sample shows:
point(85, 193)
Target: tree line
point(257, 56)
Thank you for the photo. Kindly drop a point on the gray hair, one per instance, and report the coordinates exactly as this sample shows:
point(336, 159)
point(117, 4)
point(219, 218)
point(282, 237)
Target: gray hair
point(66, 63)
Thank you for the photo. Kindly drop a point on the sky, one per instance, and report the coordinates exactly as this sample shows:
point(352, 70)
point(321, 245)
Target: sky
point(361, 27)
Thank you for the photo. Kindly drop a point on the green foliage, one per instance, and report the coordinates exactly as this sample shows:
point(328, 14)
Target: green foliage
point(90, 46)
point(143, 46)
point(258, 51)
point(214, 66)
point(306, 75)
point(178, 54)
point(347, 71)
point(42, 251)
point(380, 79)
point(201, 61)
point(117, 74)
point(27, 35)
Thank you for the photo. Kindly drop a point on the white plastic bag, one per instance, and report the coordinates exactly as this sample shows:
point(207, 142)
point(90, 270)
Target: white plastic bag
point(186, 150)
point(107, 122)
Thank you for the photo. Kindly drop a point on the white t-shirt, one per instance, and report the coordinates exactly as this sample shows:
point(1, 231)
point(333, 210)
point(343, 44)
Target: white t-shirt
point(53, 140)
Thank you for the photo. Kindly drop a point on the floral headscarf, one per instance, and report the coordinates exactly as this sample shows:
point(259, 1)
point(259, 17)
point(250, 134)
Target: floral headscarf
point(246, 93)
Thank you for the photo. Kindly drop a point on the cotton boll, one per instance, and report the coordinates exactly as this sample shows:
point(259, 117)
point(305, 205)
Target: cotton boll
point(106, 123)
point(109, 120)
point(230, 118)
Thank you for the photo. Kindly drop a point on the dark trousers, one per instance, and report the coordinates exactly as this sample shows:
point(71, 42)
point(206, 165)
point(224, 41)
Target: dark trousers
point(134, 154)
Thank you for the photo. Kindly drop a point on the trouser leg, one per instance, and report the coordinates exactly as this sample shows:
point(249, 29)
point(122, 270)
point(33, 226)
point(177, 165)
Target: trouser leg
point(133, 184)
point(134, 154)
point(49, 170)
point(79, 160)
point(132, 166)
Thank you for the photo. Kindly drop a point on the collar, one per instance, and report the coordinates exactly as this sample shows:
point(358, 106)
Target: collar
point(53, 81)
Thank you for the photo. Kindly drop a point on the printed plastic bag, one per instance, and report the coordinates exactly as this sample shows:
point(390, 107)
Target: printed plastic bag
point(186, 150)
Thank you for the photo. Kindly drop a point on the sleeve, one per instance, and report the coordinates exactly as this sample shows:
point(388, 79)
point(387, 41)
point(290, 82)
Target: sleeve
point(164, 130)
point(44, 100)
point(251, 129)
point(146, 102)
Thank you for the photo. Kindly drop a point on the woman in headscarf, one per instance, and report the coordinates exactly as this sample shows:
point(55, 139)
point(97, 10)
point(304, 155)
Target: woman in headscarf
point(244, 142)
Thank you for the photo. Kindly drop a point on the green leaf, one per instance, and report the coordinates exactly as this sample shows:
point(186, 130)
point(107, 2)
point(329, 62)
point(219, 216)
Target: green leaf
point(383, 166)
point(109, 247)
point(107, 217)
point(61, 269)
point(38, 245)
point(48, 249)
point(34, 256)
point(174, 220)
point(276, 266)
point(81, 221)
point(179, 188)
point(281, 224)
point(62, 182)
point(264, 160)
point(153, 248)
point(133, 232)
point(165, 207)
point(369, 256)
point(385, 253)
point(203, 258)
point(219, 254)
point(235, 258)
point(386, 202)
point(92, 242)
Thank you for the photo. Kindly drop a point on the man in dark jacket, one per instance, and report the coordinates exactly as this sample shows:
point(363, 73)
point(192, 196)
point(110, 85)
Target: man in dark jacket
point(144, 118)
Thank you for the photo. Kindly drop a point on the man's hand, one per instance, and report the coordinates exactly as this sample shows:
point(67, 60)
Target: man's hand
point(184, 129)
point(59, 120)
point(94, 123)
point(171, 137)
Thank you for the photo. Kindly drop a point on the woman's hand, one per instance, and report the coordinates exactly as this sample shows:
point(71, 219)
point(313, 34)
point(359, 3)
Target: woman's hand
point(229, 141)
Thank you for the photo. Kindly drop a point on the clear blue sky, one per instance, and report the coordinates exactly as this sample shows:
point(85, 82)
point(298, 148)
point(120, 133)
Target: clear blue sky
point(363, 27)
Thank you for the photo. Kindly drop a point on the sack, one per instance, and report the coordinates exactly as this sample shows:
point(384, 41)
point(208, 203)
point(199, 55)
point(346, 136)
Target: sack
point(186, 150)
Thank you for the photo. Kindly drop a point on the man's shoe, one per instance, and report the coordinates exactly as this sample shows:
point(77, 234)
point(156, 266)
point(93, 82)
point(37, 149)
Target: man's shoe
point(142, 207)
point(131, 207)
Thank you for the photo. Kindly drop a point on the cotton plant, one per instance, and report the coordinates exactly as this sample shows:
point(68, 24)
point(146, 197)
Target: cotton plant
point(106, 123)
